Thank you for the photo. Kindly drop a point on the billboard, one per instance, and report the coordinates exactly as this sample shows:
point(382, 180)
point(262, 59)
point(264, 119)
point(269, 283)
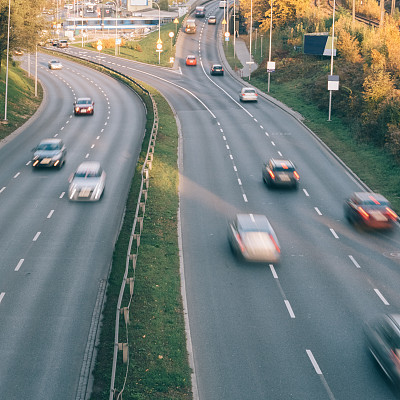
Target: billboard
point(319, 44)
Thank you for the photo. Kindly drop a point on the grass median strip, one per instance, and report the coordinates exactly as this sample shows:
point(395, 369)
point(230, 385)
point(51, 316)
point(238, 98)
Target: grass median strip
point(158, 362)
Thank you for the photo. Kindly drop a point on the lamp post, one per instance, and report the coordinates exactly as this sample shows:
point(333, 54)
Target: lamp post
point(251, 30)
point(8, 52)
point(159, 42)
point(270, 47)
point(333, 37)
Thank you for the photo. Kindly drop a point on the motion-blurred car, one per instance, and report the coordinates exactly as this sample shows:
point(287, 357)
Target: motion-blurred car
point(370, 210)
point(279, 172)
point(212, 20)
point(18, 52)
point(62, 43)
point(200, 12)
point(49, 153)
point(87, 183)
point(84, 105)
point(383, 338)
point(248, 94)
point(54, 64)
point(191, 60)
point(251, 237)
point(217, 69)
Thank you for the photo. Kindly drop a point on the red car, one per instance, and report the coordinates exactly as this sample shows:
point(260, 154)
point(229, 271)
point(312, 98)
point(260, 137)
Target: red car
point(191, 60)
point(84, 105)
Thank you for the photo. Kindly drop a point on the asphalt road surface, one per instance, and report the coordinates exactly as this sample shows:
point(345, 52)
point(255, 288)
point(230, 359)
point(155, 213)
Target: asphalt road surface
point(56, 254)
point(286, 331)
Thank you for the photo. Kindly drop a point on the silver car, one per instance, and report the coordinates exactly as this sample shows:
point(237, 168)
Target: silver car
point(248, 94)
point(54, 64)
point(252, 237)
point(87, 183)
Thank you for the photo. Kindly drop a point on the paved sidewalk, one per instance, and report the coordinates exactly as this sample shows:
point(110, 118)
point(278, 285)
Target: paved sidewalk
point(243, 54)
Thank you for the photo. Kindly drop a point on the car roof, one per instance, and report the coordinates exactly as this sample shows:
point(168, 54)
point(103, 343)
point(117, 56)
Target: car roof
point(54, 61)
point(84, 98)
point(370, 197)
point(248, 88)
point(51, 140)
point(253, 222)
point(280, 162)
point(88, 166)
point(191, 56)
point(217, 65)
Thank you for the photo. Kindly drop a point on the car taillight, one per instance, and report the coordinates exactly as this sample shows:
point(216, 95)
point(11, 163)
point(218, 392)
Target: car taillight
point(240, 243)
point(392, 214)
point(275, 244)
point(296, 175)
point(395, 359)
point(363, 213)
point(271, 174)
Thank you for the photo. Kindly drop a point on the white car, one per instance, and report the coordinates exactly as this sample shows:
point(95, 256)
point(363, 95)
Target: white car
point(54, 64)
point(87, 183)
point(248, 94)
point(222, 4)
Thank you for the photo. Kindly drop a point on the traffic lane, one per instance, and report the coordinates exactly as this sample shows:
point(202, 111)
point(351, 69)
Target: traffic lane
point(84, 241)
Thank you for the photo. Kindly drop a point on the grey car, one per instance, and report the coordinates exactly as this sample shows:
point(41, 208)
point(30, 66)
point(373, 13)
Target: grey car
point(280, 172)
point(252, 238)
point(87, 183)
point(49, 153)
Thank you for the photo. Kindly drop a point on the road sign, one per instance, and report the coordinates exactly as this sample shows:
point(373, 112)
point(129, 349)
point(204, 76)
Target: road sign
point(159, 41)
point(99, 47)
point(223, 22)
point(271, 66)
point(118, 41)
point(227, 34)
point(159, 47)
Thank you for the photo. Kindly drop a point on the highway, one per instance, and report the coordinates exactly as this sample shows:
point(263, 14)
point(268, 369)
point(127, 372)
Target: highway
point(56, 254)
point(286, 331)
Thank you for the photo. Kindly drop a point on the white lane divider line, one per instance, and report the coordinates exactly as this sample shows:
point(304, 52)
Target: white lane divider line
point(317, 210)
point(19, 264)
point(50, 214)
point(17, 175)
point(36, 237)
point(274, 274)
point(289, 307)
point(2, 189)
point(353, 260)
point(306, 193)
point(314, 362)
point(334, 233)
point(380, 295)
point(2, 294)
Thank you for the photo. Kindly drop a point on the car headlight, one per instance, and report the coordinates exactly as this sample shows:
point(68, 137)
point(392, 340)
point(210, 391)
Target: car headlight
point(77, 109)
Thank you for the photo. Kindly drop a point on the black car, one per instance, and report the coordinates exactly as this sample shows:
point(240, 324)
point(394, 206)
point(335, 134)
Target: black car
point(383, 338)
point(370, 210)
point(216, 69)
point(279, 172)
point(49, 153)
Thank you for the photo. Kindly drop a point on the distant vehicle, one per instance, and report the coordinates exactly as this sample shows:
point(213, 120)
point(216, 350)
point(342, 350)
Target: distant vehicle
point(54, 64)
point(370, 210)
point(54, 42)
point(18, 52)
point(383, 338)
point(251, 237)
point(87, 183)
point(190, 26)
point(212, 20)
point(248, 94)
point(191, 60)
point(200, 12)
point(279, 172)
point(222, 4)
point(49, 153)
point(62, 43)
point(217, 69)
point(84, 105)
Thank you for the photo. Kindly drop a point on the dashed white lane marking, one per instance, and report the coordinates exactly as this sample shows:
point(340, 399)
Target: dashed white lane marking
point(2, 189)
point(274, 274)
point(36, 237)
point(354, 261)
point(280, 153)
point(380, 295)
point(17, 175)
point(92, 146)
point(267, 134)
point(2, 294)
point(62, 195)
point(334, 233)
point(87, 155)
point(239, 182)
point(19, 264)
point(231, 156)
point(245, 198)
point(314, 362)
point(306, 193)
point(289, 307)
point(317, 210)
point(273, 143)
point(50, 214)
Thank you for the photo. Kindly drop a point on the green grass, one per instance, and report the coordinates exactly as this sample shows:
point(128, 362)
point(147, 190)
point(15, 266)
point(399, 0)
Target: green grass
point(22, 103)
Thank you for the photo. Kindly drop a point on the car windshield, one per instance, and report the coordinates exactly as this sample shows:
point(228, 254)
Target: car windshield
point(283, 168)
point(87, 101)
point(249, 91)
point(87, 174)
point(49, 146)
point(217, 67)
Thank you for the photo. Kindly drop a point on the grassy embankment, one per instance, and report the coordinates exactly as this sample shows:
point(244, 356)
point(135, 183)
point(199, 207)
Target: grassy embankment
point(290, 83)
point(22, 103)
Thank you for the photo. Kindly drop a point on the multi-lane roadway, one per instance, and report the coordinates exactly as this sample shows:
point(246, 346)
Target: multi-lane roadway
point(286, 331)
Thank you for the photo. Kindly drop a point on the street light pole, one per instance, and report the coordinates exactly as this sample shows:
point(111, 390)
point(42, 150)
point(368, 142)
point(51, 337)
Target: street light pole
point(270, 46)
point(251, 30)
point(8, 52)
point(333, 37)
point(159, 31)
